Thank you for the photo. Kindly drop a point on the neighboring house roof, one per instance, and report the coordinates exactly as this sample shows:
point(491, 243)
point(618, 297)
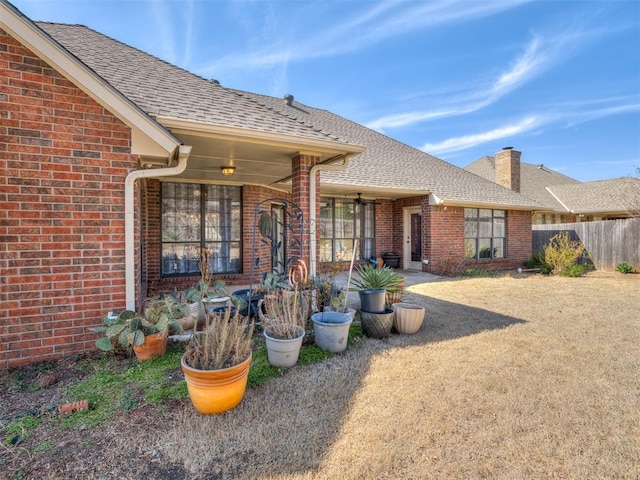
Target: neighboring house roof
point(621, 195)
point(166, 91)
point(534, 180)
point(388, 165)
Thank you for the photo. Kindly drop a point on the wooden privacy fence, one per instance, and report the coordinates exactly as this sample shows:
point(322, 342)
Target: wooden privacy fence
point(608, 242)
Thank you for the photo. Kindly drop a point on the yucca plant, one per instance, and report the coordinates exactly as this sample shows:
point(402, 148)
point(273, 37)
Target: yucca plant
point(373, 278)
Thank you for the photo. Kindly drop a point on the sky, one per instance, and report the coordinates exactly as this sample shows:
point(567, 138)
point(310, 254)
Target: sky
point(557, 80)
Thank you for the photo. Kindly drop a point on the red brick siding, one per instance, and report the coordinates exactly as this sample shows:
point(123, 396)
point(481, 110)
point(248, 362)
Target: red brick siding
point(384, 223)
point(445, 239)
point(301, 179)
point(63, 162)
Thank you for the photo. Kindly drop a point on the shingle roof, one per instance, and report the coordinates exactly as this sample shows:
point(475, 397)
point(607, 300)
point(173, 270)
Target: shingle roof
point(164, 90)
point(388, 163)
point(534, 180)
point(601, 196)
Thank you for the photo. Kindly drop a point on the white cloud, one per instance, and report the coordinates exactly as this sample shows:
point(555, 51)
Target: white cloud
point(468, 141)
point(571, 115)
point(541, 54)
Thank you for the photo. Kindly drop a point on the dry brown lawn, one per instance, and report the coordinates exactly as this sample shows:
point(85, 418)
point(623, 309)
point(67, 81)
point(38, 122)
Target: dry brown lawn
point(513, 377)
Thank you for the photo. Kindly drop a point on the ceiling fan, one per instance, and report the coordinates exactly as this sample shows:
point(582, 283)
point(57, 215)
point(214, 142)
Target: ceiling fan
point(361, 201)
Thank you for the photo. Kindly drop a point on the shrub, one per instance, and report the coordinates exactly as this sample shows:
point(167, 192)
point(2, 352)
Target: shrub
point(624, 267)
point(576, 270)
point(477, 272)
point(537, 261)
point(561, 252)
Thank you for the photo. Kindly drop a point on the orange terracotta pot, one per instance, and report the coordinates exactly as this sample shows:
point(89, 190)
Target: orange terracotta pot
point(154, 345)
point(216, 391)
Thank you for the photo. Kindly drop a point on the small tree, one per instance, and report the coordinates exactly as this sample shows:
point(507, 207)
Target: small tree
point(561, 253)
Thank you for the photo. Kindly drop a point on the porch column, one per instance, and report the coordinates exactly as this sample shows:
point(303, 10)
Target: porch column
point(301, 171)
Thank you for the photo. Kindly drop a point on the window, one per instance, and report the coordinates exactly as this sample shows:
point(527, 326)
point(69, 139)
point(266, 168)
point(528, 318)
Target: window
point(340, 221)
point(200, 216)
point(484, 233)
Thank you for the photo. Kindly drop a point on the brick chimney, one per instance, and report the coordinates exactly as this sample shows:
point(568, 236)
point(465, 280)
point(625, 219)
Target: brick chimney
point(508, 168)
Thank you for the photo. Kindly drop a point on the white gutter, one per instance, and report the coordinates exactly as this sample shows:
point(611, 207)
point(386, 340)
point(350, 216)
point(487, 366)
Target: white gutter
point(312, 206)
point(129, 225)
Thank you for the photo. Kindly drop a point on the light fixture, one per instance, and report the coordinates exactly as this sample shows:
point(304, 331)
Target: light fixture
point(226, 171)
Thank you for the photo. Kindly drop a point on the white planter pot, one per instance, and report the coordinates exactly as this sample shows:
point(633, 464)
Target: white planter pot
point(331, 330)
point(284, 352)
point(408, 317)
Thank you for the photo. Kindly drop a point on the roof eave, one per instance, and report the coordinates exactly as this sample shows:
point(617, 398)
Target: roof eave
point(437, 201)
point(306, 144)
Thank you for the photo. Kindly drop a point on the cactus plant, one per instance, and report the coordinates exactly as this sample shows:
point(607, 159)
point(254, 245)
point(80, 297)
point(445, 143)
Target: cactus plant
point(130, 329)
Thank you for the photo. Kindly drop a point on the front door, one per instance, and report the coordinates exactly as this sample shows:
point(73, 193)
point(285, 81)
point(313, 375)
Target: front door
point(412, 254)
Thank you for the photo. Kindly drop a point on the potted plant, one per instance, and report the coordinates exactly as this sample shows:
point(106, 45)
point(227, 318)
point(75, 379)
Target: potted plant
point(331, 330)
point(283, 326)
point(338, 303)
point(216, 362)
point(172, 307)
point(285, 318)
point(128, 329)
point(373, 283)
point(392, 259)
point(208, 294)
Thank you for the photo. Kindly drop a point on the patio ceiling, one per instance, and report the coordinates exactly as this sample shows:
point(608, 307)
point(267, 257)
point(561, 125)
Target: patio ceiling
point(258, 159)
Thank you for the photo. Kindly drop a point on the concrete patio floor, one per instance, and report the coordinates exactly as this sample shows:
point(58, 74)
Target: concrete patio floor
point(411, 277)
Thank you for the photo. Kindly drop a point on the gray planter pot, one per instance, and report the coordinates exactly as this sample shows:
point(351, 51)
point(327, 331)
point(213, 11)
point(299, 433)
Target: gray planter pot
point(377, 325)
point(283, 352)
point(372, 300)
point(349, 311)
point(331, 330)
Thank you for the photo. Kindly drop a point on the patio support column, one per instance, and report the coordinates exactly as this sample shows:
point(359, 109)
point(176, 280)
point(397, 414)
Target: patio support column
point(300, 181)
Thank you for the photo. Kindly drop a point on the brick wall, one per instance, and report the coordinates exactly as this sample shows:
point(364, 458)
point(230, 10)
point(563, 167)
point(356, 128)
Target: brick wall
point(63, 162)
point(445, 239)
point(384, 226)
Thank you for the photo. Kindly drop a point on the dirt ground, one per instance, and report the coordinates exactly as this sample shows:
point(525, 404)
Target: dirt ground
point(519, 376)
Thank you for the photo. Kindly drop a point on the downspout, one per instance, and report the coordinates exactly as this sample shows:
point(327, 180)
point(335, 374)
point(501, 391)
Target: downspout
point(129, 225)
point(312, 205)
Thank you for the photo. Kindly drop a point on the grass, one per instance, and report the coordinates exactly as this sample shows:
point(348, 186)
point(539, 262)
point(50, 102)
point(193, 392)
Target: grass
point(19, 430)
point(523, 376)
point(262, 371)
point(110, 386)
